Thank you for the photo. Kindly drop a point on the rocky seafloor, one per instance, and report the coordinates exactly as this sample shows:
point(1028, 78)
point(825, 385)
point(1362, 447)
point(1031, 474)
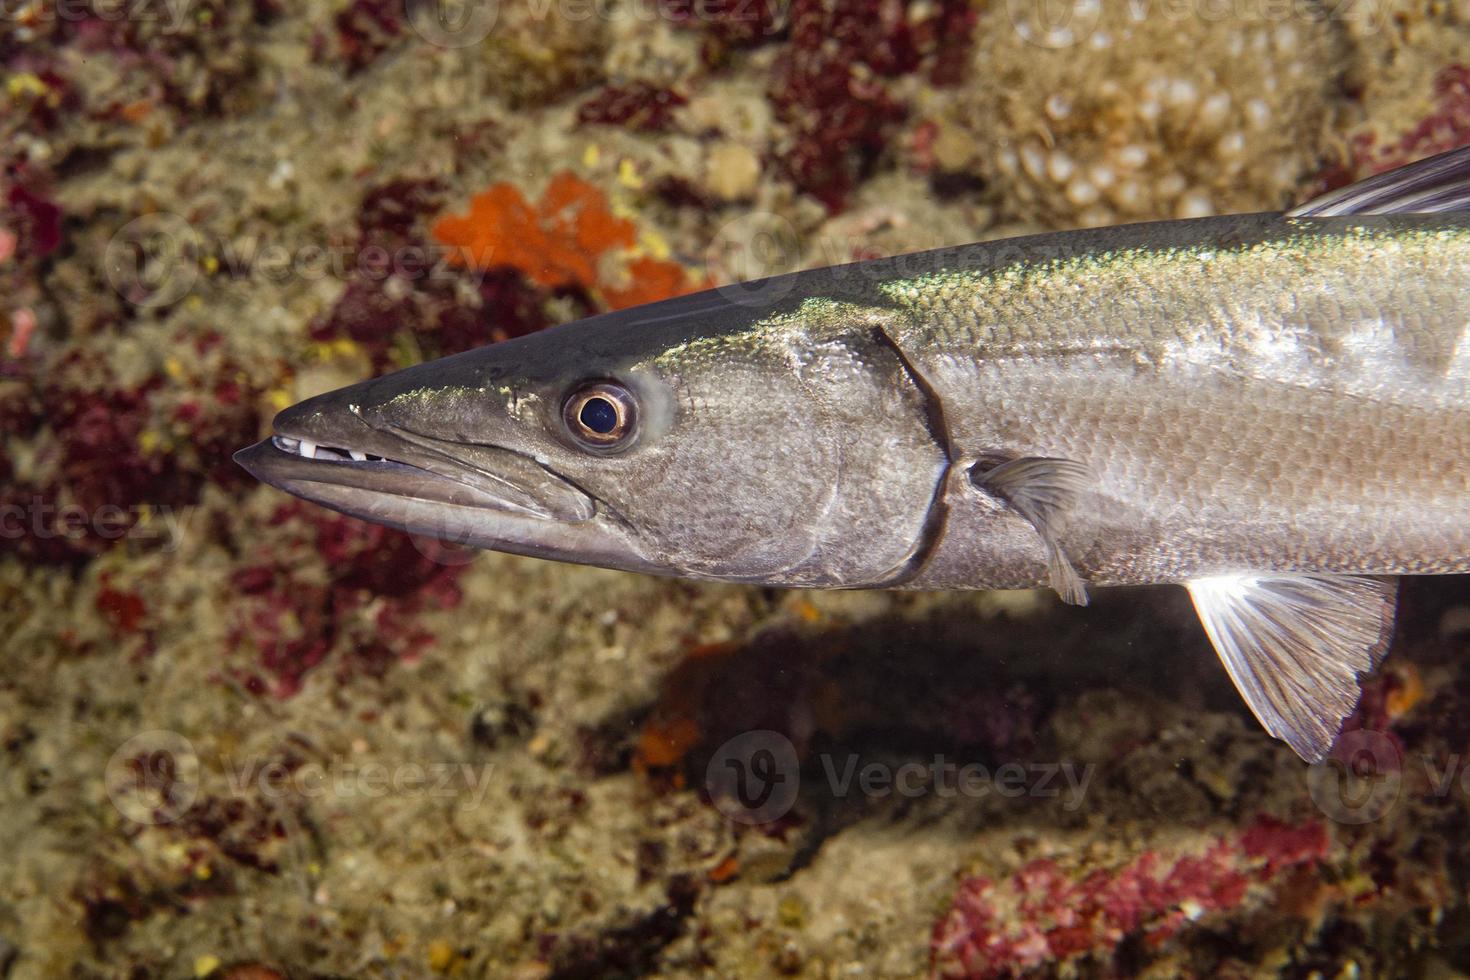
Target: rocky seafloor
point(245, 737)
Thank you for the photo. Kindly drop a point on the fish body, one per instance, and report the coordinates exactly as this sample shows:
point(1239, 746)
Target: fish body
point(1272, 410)
point(1245, 392)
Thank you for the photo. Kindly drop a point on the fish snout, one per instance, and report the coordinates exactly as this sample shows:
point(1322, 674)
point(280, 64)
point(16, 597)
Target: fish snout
point(331, 442)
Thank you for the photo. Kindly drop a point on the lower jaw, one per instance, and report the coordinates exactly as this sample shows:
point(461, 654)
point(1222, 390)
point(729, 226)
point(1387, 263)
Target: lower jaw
point(475, 526)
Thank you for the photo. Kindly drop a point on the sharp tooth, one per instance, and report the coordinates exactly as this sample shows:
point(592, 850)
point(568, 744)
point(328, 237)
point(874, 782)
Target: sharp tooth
point(360, 457)
point(308, 449)
point(286, 443)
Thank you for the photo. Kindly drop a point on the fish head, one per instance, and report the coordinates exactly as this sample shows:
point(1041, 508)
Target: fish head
point(696, 437)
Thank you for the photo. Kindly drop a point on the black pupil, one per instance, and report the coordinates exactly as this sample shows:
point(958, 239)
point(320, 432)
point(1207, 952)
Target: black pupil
point(599, 415)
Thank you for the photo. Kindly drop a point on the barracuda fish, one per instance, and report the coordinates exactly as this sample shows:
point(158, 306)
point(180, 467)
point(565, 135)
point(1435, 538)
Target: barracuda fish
point(1272, 410)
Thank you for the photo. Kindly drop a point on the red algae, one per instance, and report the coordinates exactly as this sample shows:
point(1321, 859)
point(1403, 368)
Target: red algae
point(640, 107)
point(37, 218)
point(367, 28)
point(96, 462)
point(833, 84)
point(1445, 128)
point(118, 452)
point(126, 612)
point(831, 90)
point(390, 305)
point(1042, 914)
point(160, 51)
point(1283, 845)
point(376, 582)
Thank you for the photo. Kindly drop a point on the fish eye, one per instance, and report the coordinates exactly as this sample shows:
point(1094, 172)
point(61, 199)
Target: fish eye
point(601, 415)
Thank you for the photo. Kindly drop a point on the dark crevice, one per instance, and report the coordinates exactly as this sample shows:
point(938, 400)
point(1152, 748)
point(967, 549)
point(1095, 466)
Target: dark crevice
point(630, 950)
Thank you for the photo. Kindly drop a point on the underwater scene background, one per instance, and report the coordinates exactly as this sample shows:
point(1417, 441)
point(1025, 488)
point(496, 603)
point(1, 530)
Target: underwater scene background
point(242, 736)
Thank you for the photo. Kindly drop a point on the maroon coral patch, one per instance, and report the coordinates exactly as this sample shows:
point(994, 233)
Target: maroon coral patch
point(1042, 916)
point(640, 106)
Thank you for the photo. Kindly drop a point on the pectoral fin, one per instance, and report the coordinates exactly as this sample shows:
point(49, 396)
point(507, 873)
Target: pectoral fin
point(1043, 491)
point(1295, 644)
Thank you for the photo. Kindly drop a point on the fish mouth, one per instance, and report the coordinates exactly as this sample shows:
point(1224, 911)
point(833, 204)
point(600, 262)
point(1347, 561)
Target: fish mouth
point(371, 471)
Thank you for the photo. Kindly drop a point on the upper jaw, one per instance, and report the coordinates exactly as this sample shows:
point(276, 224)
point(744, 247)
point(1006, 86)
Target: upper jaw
point(313, 451)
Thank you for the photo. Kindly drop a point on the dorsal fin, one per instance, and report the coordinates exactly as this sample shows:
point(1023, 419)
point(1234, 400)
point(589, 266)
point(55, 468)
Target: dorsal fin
point(1440, 183)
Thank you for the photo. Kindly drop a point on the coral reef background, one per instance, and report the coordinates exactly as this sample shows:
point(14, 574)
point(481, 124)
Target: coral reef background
point(246, 737)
